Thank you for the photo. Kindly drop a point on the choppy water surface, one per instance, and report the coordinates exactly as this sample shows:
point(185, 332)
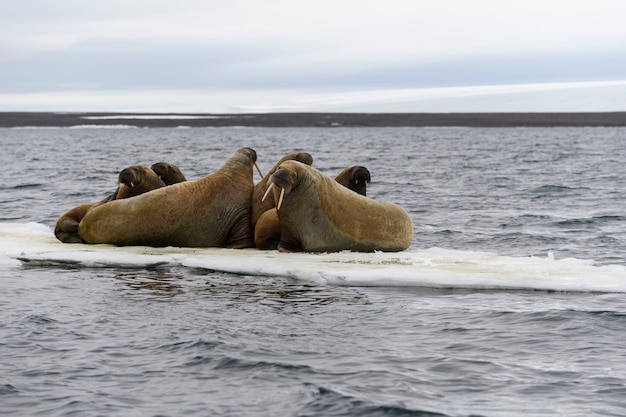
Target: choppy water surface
point(184, 341)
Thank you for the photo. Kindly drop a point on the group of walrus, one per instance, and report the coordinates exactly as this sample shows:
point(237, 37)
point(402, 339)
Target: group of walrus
point(293, 208)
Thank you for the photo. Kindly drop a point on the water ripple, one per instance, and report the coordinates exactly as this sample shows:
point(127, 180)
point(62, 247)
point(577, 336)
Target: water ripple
point(328, 402)
point(183, 341)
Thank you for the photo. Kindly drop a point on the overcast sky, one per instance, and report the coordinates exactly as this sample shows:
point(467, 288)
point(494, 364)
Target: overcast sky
point(348, 55)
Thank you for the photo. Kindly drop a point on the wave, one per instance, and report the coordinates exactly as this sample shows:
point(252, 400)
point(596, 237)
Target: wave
point(34, 245)
point(111, 126)
point(154, 117)
point(327, 401)
point(81, 126)
point(551, 190)
point(594, 220)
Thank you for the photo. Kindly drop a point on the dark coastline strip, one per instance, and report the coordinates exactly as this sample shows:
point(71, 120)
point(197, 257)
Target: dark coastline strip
point(50, 119)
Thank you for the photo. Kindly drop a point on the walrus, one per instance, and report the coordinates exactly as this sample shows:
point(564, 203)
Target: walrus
point(168, 172)
point(267, 230)
point(267, 227)
point(260, 205)
point(317, 214)
point(66, 227)
point(213, 211)
point(137, 180)
point(355, 178)
point(132, 181)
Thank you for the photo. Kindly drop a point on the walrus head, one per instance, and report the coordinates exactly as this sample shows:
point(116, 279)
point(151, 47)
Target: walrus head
point(168, 172)
point(303, 157)
point(355, 178)
point(285, 178)
point(259, 205)
point(250, 152)
point(251, 155)
point(137, 180)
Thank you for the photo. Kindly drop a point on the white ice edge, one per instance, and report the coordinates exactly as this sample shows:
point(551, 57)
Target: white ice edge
point(35, 244)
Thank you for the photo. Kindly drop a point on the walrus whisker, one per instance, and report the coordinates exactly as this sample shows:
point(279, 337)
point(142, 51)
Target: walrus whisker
point(258, 169)
point(280, 199)
point(268, 191)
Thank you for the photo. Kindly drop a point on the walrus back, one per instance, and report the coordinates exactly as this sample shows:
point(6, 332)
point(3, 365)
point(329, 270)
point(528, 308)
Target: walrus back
point(209, 212)
point(172, 216)
point(370, 225)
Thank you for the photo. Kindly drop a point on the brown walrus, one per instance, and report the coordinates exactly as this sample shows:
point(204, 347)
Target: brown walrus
point(132, 181)
point(136, 180)
point(168, 172)
point(260, 205)
point(213, 211)
point(317, 214)
point(355, 178)
point(263, 212)
point(66, 227)
point(267, 228)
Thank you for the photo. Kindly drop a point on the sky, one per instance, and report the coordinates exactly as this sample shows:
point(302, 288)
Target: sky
point(324, 55)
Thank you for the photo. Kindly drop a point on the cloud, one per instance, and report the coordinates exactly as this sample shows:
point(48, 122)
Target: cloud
point(558, 97)
point(390, 28)
point(239, 45)
point(254, 65)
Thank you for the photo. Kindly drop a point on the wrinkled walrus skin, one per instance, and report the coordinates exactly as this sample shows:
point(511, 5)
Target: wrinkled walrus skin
point(132, 181)
point(267, 227)
point(213, 211)
point(318, 214)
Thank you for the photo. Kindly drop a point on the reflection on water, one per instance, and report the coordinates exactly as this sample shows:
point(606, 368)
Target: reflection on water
point(276, 292)
point(159, 284)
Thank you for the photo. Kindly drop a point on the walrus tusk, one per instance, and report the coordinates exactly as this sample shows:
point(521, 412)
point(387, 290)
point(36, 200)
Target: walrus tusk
point(258, 169)
point(280, 199)
point(132, 184)
point(268, 191)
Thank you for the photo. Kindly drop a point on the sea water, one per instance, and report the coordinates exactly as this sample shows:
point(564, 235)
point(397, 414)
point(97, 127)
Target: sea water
point(187, 338)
